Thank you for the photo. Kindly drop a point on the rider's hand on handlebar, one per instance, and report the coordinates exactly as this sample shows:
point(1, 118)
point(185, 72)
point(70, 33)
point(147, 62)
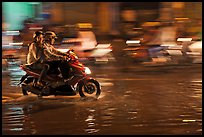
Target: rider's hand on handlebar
point(66, 58)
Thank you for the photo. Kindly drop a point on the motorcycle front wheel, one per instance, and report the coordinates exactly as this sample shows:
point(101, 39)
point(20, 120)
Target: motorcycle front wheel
point(90, 89)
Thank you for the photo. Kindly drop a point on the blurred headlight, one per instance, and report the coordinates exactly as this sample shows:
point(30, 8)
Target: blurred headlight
point(87, 70)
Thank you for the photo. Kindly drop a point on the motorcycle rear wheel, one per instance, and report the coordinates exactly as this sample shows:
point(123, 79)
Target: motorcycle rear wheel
point(91, 89)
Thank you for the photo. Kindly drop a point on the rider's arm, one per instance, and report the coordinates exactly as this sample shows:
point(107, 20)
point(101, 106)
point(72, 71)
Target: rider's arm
point(33, 50)
point(55, 51)
point(51, 55)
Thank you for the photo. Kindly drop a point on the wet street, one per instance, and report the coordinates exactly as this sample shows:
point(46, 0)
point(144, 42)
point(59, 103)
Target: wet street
point(135, 100)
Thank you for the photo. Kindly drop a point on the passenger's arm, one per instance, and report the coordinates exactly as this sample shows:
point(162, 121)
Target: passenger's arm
point(33, 51)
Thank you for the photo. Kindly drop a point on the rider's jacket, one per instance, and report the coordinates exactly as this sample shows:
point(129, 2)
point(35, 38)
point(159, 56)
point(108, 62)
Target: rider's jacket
point(52, 50)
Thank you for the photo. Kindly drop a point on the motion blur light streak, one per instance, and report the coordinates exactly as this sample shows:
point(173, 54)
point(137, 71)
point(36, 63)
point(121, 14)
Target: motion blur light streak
point(189, 120)
point(17, 43)
point(9, 32)
point(184, 39)
point(132, 41)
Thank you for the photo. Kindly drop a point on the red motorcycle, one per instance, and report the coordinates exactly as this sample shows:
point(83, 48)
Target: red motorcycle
point(77, 80)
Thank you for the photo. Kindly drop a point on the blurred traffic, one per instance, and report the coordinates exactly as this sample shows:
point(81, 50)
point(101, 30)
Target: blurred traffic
point(126, 31)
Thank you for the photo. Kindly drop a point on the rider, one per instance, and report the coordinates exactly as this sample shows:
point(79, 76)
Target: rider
point(64, 67)
point(50, 38)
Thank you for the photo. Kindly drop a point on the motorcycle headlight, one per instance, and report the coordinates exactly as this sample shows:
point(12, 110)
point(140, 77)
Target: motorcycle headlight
point(87, 70)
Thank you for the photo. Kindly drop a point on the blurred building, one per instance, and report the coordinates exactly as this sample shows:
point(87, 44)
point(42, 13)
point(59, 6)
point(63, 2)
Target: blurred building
point(114, 17)
point(14, 13)
point(106, 17)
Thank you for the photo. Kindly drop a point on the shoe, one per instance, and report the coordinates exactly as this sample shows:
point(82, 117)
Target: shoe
point(60, 76)
point(39, 84)
point(66, 79)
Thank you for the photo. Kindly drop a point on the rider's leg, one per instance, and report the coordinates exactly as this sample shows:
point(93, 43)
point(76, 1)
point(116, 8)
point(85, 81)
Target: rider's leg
point(43, 73)
point(64, 68)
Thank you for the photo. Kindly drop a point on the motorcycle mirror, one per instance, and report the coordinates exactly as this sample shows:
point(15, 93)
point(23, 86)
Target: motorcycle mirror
point(70, 50)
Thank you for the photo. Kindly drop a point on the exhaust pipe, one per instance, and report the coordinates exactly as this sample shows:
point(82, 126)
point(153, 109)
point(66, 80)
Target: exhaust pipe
point(31, 89)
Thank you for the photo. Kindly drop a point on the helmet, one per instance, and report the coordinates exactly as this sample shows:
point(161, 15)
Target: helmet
point(37, 33)
point(50, 35)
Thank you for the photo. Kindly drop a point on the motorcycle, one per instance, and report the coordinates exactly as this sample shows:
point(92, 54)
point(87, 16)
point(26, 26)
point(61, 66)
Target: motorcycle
point(78, 80)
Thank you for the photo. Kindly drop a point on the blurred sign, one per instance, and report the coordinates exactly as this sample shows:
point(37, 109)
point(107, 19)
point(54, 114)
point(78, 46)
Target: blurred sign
point(84, 25)
point(46, 15)
point(129, 15)
point(177, 5)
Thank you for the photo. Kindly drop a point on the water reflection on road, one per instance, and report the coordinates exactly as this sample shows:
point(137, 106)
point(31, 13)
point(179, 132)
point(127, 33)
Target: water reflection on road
point(133, 101)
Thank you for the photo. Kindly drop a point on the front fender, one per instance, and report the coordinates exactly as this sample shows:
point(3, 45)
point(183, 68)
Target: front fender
point(84, 80)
